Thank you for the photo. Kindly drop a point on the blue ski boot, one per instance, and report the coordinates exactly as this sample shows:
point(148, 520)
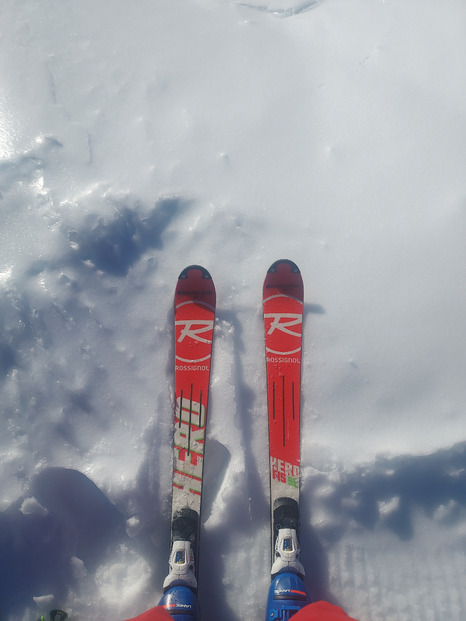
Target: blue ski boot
point(181, 603)
point(287, 595)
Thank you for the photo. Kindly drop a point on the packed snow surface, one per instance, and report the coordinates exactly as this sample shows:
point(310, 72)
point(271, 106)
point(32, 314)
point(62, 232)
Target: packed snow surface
point(139, 137)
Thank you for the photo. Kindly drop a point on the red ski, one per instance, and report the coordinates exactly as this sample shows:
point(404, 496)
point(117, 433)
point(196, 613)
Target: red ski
point(194, 324)
point(283, 314)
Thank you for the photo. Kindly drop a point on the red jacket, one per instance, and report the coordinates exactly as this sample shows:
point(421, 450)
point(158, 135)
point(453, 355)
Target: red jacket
point(320, 611)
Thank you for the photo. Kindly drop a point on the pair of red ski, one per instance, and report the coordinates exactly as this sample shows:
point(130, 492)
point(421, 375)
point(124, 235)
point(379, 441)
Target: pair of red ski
point(194, 325)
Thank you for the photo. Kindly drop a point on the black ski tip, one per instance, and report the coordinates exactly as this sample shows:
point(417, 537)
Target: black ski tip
point(294, 268)
point(205, 274)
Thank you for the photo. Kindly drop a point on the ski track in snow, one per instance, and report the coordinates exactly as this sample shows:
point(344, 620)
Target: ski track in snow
point(401, 563)
point(128, 151)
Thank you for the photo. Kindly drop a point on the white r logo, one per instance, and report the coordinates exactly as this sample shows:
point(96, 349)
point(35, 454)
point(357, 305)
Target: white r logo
point(284, 326)
point(283, 322)
point(194, 333)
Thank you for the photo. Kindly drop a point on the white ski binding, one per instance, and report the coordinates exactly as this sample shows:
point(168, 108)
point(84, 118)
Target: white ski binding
point(287, 552)
point(181, 565)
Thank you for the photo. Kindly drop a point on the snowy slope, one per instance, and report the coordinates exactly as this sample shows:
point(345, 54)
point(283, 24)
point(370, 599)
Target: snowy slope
point(139, 137)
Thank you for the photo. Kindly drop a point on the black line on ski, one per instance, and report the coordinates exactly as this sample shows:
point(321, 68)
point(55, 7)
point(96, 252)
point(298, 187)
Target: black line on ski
point(200, 411)
point(181, 409)
point(283, 410)
point(273, 400)
point(292, 398)
point(190, 418)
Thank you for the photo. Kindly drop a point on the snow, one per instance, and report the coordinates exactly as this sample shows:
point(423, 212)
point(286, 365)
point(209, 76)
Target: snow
point(137, 138)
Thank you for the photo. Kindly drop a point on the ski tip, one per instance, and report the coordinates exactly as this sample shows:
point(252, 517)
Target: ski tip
point(195, 286)
point(283, 278)
point(185, 273)
point(275, 267)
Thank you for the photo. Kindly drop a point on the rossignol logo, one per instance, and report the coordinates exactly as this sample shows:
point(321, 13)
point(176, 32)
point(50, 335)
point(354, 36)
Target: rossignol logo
point(191, 331)
point(280, 324)
point(193, 336)
point(285, 360)
point(290, 319)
